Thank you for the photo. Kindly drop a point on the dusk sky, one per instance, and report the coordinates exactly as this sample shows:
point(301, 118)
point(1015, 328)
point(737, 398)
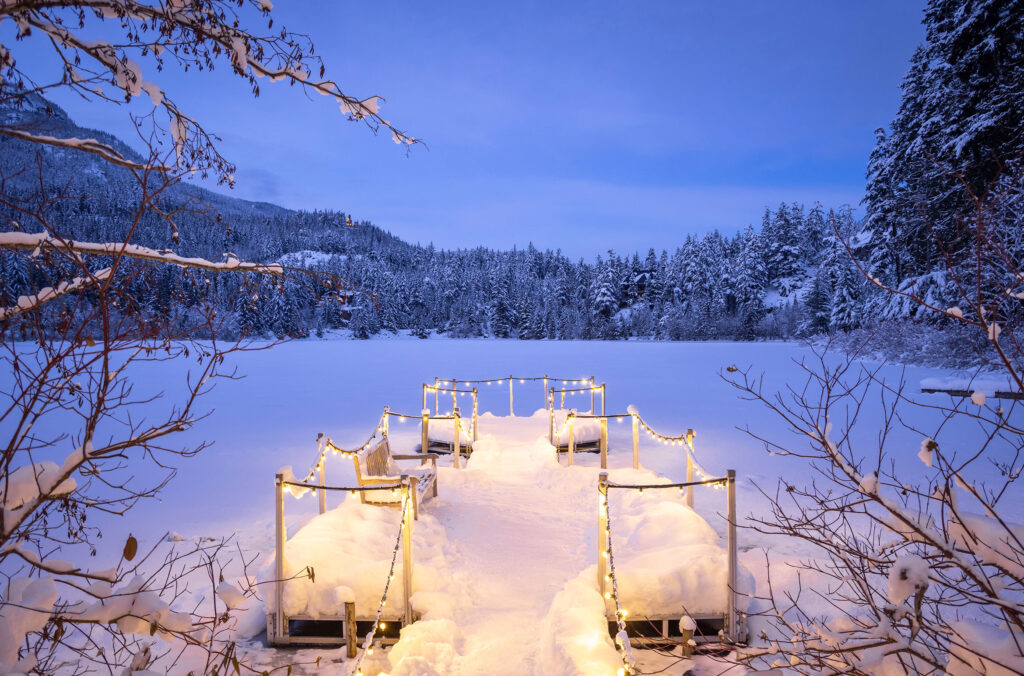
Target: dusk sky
point(580, 126)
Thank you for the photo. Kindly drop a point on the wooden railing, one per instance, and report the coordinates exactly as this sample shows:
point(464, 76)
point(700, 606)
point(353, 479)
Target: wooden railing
point(278, 630)
point(693, 469)
point(592, 389)
point(733, 631)
point(511, 380)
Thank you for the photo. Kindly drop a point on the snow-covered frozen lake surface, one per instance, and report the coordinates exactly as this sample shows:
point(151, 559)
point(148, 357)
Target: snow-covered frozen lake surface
point(512, 536)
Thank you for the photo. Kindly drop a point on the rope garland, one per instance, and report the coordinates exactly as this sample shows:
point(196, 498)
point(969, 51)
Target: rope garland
point(377, 624)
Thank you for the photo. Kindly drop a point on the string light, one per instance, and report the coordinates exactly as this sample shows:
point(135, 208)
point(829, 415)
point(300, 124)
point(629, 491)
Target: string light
point(367, 648)
point(621, 638)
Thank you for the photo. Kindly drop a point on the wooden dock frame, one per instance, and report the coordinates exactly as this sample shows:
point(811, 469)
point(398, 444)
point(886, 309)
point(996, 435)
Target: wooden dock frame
point(333, 630)
point(428, 445)
point(645, 631)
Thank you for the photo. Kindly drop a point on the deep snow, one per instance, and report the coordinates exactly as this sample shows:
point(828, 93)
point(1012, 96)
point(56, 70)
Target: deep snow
point(293, 391)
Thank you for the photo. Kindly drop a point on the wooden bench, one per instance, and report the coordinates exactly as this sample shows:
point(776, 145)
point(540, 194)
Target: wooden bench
point(376, 466)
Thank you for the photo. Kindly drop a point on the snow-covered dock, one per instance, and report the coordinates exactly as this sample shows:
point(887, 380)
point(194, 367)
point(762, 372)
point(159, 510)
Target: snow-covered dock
point(525, 563)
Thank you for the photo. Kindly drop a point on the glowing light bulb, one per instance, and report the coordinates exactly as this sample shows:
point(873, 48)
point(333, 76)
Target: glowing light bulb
point(607, 595)
point(383, 625)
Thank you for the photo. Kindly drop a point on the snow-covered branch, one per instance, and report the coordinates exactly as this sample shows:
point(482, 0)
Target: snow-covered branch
point(42, 241)
point(30, 303)
point(102, 150)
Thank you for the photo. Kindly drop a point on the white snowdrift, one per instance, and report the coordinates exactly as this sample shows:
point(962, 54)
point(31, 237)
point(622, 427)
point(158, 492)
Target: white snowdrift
point(350, 549)
point(668, 560)
point(443, 431)
point(574, 636)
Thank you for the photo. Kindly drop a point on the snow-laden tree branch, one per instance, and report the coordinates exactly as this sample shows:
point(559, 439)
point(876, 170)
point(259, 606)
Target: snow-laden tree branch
point(190, 34)
point(82, 437)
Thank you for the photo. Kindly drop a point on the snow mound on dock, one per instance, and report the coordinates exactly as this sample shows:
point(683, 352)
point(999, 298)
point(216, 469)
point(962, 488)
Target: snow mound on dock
point(350, 549)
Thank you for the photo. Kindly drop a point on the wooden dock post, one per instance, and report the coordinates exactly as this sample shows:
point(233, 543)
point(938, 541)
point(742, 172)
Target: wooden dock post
point(456, 440)
point(323, 482)
point(690, 434)
point(551, 416)
point(406, 555)
point(280, 628)
point(603, 395)
point(413, 484)
point(436, 388)
point(732, 620)
point(385, 424)
point(685, 638)
point(602, 532)
point(511, 408)
point(546, 400)
point(636, 442)
point(455, 395)
point(424, 438)
point(572, 438)
point(592, 411)
point(604, 443)
point(476, 418)
point(350, 629)
point(425, 387)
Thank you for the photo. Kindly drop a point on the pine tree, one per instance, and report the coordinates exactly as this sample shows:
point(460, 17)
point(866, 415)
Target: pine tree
point(605, 299)
point(818, 305)
point(846, 305)
point(959, 119)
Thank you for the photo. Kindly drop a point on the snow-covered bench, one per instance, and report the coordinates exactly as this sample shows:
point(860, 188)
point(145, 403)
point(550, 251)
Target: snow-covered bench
point(376, 466)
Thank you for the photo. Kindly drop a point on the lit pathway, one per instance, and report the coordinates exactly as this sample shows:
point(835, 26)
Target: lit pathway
point(517, 538)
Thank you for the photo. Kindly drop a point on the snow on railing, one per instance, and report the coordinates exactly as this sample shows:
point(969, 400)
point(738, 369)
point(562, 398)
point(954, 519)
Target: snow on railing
point(606, 580)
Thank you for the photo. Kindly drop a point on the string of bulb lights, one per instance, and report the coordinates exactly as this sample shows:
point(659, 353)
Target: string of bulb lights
point(501, 381)
point(612, 593)
point(681, 440)
point(621, 637)
point(367, 647)
point(325, 445)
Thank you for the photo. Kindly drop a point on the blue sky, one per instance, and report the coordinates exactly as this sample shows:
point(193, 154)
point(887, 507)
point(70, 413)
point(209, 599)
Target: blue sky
point(580, 126)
